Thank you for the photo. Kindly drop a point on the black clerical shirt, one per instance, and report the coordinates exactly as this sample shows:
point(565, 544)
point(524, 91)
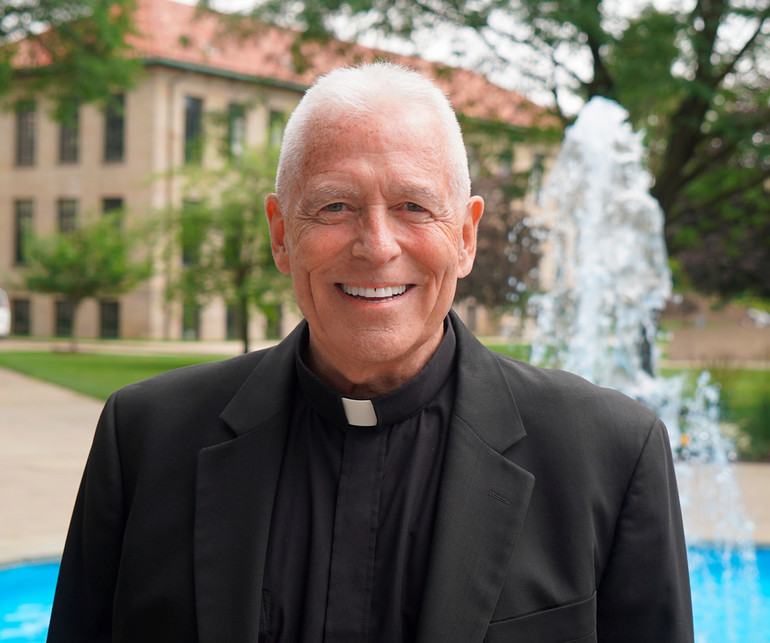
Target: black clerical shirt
point(354, 510)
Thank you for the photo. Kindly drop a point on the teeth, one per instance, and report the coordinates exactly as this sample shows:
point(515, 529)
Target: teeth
point(374, 293)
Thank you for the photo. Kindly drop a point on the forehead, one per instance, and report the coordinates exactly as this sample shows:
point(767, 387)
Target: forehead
point(339, 147)
point(413, 132)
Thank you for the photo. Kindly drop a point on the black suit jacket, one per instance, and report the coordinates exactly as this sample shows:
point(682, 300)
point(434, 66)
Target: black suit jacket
point(558, 517)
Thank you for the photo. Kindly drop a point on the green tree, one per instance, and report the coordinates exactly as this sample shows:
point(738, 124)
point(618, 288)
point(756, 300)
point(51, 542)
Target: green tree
point(507, 252)
point(223, 236)
point(695, 75)
point(97, 260)
point(74, 52)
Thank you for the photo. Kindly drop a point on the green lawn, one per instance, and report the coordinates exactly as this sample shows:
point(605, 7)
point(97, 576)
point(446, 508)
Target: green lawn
point(745, 394)
point(518, 351)
point(95, 374)
point(98, 375)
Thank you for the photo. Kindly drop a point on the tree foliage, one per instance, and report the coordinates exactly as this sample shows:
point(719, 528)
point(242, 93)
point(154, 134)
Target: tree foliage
point(222, 233)
point(74, 52)
point(98, 260)
point(695, 76)
point(507, 251)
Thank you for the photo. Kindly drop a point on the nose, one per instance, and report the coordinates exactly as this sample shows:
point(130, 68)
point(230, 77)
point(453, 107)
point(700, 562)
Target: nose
point(376, 240)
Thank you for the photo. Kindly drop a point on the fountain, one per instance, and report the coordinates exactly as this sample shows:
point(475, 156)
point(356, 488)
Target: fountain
point(607, 283)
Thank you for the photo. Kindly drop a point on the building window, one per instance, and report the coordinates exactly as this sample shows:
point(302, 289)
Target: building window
point(69, 137)
point(191, 320)
point(192, 232)
point(21, 321)
point(65, 313)
point(114, 129)
point(193, 129)
point(275, 126)
point(233, 323)
point(111, 203)
point(273, 320)
point(23, 214)
point(67, 215)
point(109, 320)
point(114, 207)
point(236, 130)
point(25, 133)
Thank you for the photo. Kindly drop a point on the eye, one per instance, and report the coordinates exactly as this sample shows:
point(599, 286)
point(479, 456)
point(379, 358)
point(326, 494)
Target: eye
point(413, 207)
point(335, 207)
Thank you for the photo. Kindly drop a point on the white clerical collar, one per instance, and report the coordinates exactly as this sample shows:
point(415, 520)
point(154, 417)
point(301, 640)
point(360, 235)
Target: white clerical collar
point(359, 412)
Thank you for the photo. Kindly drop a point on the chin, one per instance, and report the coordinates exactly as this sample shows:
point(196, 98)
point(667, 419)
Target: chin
point(386, 345)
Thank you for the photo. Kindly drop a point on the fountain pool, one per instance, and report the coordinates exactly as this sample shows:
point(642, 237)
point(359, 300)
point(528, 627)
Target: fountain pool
point(26, 594)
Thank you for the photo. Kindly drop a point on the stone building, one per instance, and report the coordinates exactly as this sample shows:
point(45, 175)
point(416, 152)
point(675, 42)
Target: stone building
point(52, 174)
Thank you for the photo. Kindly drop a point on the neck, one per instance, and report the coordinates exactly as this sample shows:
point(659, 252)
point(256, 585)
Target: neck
point(367, 380)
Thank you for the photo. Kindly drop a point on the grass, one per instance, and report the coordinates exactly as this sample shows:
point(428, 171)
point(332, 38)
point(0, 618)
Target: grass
point(744, 400)
point(517, 351)
point(94, 374)
point(745, 394)
point(98, 375)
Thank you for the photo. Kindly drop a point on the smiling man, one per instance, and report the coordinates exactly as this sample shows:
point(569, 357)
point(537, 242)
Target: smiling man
point(379, 475)
point(374, 229)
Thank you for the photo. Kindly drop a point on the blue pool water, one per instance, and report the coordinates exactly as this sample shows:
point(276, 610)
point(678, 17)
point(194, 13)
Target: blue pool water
point(26, 594)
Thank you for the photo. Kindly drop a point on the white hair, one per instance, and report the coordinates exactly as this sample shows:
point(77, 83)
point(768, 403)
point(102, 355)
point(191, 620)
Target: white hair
point(366, 90)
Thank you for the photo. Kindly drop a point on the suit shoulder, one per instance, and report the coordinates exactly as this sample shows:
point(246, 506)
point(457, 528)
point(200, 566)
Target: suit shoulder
point(202, 379)
point(544, 392)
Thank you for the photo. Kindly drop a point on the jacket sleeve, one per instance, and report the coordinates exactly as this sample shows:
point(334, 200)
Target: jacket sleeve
point(82, 607)
point(644, 592)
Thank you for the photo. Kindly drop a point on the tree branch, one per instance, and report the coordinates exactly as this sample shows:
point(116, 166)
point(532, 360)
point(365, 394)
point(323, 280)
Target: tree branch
point(756, 179)
point(747, 45)
point(707, 161)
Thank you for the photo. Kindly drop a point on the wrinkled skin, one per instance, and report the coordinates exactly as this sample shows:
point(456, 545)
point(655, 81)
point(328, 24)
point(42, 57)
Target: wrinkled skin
point(373, 210)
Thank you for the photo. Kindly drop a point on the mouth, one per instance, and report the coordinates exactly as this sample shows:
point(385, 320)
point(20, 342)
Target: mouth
point(374, 295)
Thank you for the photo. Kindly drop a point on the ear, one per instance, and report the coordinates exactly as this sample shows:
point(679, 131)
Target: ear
point(470, 227)
point(277, 234)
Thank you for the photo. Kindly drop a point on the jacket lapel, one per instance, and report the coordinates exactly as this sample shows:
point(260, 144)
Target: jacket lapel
point(482, 501)
point(236, 483)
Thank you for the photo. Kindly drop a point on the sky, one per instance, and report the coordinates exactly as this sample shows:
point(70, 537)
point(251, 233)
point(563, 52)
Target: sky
point(442, 43)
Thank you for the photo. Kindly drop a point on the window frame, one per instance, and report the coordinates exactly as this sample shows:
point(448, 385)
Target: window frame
point(66, 215)
point(21, 316)
point(64, 318)
point(193, 129)
point(109, 319)
point(24, 219)
point(26, 133)
point(236, 130)
point(69, 138)
point(115, 129)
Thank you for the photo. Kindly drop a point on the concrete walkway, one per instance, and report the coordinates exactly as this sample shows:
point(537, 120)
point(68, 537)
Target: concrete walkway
point(45, 435)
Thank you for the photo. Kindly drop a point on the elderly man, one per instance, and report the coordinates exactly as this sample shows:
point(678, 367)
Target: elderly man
point(379, 475)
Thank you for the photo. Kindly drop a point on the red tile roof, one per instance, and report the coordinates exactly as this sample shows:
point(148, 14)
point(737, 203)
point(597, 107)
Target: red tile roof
point(177, 33)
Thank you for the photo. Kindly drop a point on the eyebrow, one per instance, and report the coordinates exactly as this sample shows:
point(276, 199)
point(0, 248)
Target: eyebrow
point(418, 194)
point(331, 194)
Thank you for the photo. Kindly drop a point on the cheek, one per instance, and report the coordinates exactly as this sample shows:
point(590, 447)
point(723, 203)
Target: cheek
point(314, 247)
point(439, 252)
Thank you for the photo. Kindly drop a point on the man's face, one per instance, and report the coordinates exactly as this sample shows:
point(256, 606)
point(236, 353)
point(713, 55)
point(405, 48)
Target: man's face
point(375, 241)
